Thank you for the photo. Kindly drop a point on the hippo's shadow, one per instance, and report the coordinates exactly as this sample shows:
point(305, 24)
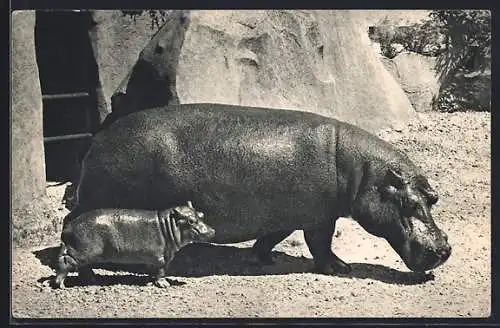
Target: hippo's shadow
point(198, 260)
point(109, 280)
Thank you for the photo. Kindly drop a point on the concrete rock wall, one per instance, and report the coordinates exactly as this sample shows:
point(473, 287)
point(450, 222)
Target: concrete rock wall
point(117, 41)
point(318, 61)
point(417, 76)
point(27, 151)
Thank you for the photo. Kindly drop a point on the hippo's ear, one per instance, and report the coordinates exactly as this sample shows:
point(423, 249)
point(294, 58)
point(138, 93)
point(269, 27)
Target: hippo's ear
point(394, 178)
point(189, 204)
point(391, 185)
point(432, 196)
point(428, 191)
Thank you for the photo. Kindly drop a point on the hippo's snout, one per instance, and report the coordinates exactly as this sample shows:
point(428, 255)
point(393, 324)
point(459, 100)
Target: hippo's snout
point(210, 233)
point(420, 255)
point(424, 246)
point(433, 258)
point(203, 232)
point(445, 252)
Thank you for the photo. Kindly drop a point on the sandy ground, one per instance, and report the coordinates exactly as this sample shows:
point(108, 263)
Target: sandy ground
point(225, 281)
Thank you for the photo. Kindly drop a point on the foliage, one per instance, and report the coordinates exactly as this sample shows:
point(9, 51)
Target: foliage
point(468, 40)
point(459, 38)
point(158, 16)
point(461, 42)
point(384, 34)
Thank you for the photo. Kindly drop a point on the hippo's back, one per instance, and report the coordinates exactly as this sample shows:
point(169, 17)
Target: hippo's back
point(251, 170)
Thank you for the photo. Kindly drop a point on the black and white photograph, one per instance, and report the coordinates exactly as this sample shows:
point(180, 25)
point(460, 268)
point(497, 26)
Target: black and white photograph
point(262, 164)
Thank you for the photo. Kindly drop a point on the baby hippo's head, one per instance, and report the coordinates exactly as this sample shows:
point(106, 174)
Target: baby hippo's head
point(190, 225)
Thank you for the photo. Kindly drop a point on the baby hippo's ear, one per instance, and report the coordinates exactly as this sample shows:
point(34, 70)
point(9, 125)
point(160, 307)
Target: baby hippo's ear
point(189, 204)
point(200, 215)
point(176, 214)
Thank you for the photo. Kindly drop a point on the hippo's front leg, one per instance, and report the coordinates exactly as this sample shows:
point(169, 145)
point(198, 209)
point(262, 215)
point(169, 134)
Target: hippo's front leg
point(159, 279)
point(319, 241)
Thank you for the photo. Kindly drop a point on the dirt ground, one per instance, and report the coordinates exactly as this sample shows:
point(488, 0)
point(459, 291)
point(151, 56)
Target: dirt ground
point(225, 281)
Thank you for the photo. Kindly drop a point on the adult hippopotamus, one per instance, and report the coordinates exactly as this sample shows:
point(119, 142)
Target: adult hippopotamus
point(263, 173)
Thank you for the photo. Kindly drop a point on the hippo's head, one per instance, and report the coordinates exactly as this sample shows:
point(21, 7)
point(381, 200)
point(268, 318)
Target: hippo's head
point(399, 209)
point(190, 225)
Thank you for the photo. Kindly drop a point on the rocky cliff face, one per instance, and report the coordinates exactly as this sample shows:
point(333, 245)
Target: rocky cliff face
point(318, 61)
point(117, 41)
point(417, 76)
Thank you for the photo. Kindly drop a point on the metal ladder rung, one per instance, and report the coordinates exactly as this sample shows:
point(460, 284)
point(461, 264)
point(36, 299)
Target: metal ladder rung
point(68, 137)
point(65, 95)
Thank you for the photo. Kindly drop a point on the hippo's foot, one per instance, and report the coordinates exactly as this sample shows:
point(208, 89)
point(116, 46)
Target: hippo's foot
point(161, 282)
point(159, 279)
point(263, 246)
point(319, 241)
point(332, 267)
point(59, 280)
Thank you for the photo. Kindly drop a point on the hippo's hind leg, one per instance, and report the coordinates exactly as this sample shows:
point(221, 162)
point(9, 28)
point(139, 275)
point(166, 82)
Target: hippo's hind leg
point(319, 241)
point(265, 244)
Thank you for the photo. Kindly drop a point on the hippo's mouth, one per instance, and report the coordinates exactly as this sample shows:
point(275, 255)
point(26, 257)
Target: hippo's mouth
point(427, 259)
point(422, 254)
point(422, 248)
point(202, 235)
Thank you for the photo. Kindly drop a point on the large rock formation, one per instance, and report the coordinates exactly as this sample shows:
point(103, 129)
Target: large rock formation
point(28, 163)
point(319, 61)
point(117, 41)
point(417, 76)
point(31, 213)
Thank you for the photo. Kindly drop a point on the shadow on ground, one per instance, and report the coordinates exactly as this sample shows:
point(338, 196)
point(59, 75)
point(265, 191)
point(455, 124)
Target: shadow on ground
point(198, 260)
point(109, 280)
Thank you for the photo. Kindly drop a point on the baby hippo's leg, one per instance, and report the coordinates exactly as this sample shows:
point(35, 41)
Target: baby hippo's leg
point(65, 264)
point(159, 279)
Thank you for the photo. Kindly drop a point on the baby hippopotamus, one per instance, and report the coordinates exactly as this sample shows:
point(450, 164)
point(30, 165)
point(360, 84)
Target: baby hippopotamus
point(128, 237)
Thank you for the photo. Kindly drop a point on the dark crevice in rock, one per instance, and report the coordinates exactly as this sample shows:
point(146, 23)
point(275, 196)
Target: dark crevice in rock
point(152, 81)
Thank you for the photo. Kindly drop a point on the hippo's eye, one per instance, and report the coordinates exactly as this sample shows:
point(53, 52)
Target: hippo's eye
point(191, 220)
point(411, 203)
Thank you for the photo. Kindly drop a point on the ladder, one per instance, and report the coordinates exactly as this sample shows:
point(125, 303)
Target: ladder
point(83, 96)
